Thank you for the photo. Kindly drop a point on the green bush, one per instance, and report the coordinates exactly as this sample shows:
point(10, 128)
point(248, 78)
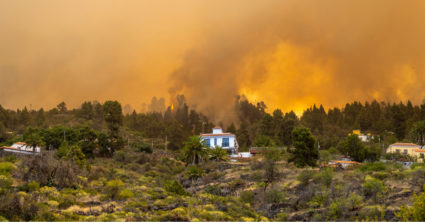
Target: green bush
point(324, 156)
point(417, 165)
point(177, 214)
point(246, 196)
point(142, 147)
point(73, 152)
point(263, 141)
point(319, 200)
point(175, 187)
point(305, 177)
point(372, 153)
point(337, 209)
point(236, 184)
point(66, 201)
point(33, 186)
point(119, 156)
point(325, 176)
point(416, 212)
point(374, 212)
point(113, 188)
point(354, 201)
point(373, 187)
point(275, 196)
point(213, 189)
point(10, 158)
point(5, 183)
point(194, 172)
point(382, 175)
point(281, 217)
point(125, 194)
point(373, 166)
point(6, 168)
point(218, 154)
point(333, 151)
point(256, 176)
point(418, 176)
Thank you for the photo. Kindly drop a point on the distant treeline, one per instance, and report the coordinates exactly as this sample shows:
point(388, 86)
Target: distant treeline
point(253, 126)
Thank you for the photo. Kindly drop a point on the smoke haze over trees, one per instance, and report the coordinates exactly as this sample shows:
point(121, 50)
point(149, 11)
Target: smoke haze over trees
point(290, 54)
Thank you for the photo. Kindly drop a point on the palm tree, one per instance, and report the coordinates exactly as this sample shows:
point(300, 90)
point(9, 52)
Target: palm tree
point(418, 132)
point(219, 154)
point(195, 150)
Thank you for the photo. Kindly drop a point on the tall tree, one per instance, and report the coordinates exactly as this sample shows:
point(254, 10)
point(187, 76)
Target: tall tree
point(271, 171)
point(290, 121)
point(112, 113)
point(32, 138)
point(86, 111)
point(267, 127)
point(231, 128)
point(304, 152)
point(24, 117)
point(175, 136)
point(418, 132)
point(398, 120)
point(62, 107)
point(353, 147)
point(3, 133)
point(87, 141)
point(243, 135)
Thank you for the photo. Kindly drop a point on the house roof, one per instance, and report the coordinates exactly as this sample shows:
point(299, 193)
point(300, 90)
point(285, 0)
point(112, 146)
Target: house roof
point(217, 127)
point(21, 143)
point(221, 134)
point(405, 144)
point(8, 147)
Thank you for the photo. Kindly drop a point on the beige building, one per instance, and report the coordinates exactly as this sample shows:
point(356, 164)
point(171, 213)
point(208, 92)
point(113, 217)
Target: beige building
point(410, 149)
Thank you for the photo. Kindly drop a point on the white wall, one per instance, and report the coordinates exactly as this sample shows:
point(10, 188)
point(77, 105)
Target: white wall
point(25, 147)
point(217, 131)
point(220, 141)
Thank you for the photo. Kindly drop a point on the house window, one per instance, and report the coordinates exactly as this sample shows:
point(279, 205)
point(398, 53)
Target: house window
point(225, 142)
point(215, 141)
point(422, 155)
point(405, 151)
point(397, 150)
point(207, 142)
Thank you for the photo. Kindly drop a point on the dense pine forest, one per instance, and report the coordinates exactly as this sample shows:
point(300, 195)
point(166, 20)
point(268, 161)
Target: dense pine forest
point(100, 164)
point(390, 121)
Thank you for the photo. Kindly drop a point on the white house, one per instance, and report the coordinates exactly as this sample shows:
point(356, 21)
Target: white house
point(21, 148)
point(218, 138)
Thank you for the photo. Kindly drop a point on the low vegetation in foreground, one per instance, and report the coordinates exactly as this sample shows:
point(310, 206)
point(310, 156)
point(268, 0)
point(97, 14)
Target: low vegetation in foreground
point(158, 186)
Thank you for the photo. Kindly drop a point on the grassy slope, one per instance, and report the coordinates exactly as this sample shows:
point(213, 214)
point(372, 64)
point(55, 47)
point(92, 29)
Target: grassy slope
point(227, 191)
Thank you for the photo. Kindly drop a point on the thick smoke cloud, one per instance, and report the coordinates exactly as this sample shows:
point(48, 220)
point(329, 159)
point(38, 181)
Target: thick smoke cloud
point(295, 53)
point(89, 50)
point(290, 54)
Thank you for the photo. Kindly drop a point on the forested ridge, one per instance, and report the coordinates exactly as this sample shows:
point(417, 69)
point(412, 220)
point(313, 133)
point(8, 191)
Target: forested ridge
point(252, 121)
point(100, 164)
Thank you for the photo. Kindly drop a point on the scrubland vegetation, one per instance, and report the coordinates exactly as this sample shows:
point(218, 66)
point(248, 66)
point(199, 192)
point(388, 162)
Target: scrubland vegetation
point(98, 164)
point(158, 186)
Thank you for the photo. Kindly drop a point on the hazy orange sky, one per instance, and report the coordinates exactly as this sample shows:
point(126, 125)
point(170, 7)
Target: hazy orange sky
point(290, 53)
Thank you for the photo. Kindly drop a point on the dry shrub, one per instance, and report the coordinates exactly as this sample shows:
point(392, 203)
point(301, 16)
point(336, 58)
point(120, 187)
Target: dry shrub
point(97, 172)
point(49, 171)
